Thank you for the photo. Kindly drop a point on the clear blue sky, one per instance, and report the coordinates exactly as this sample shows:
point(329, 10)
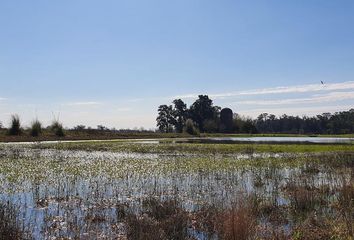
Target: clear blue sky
point(113, 62)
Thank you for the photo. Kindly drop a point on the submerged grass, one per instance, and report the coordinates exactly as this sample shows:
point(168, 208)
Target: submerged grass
point(180, 191)
point(10, 226)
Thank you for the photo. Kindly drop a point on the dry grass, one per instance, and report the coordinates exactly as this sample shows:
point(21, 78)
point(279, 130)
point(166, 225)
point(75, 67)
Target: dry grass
point(238, 223)
point(160, 220)
point(346, 207)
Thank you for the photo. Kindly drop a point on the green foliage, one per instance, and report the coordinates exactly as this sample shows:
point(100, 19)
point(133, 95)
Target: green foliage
point(36, 128)
point(57, 128)
point(15, 128)
point(201, 112)
point(211, 125)
point(244, 125)
point(165, 119)
point(337, 123)
point(190, 127)
point(180, 112)
point(202, 109)
point(208, 118)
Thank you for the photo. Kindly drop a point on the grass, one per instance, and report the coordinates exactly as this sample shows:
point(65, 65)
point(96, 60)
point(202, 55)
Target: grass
point(10, 227)
point(92, 134)
point(170, 147)
point(48, 135)
point(160, 220)
point(184, 191)
point(57, 128)
point(36, 128)
point(15, 128)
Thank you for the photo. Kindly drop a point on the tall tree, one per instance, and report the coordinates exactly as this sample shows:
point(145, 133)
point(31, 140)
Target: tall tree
point(165, 119)
point(180, 114)
point(202, 110)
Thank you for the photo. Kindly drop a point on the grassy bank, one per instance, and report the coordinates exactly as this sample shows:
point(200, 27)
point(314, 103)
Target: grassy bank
point(48, 135)
point(168, 146)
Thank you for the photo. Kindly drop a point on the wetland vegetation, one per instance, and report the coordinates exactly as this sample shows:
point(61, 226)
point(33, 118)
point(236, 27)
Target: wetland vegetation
point(178, 190)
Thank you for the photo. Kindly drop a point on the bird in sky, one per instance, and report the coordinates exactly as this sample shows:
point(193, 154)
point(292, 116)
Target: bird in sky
point(322, 82)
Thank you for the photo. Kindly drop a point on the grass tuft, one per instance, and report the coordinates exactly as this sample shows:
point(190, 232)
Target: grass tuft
point(15, 128)
point(57, 128)
point(36, 128)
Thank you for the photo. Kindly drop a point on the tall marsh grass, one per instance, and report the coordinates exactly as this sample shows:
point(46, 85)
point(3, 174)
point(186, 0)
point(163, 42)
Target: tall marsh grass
point(57, 128)
point(36, 128)
point(15, 127)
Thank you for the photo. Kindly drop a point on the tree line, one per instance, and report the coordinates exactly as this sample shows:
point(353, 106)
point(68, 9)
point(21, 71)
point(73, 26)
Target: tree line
point(326, 123)
point(204, 116)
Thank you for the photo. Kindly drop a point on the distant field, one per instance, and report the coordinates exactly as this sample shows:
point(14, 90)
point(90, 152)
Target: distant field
point(169, 145)
point(107, 135)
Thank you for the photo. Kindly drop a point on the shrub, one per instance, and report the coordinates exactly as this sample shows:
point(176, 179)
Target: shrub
point(15, 128)
point(36, 128)
point(79, 128)
point(57, 128)
point(190, 127)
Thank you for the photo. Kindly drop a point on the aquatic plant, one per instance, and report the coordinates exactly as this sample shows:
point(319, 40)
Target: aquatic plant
point(160, 220)
point(10, 227)
point(142, 191)
point(239, 222)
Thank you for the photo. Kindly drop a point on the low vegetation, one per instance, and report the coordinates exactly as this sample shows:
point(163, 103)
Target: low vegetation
point(168, 194)
point(36, 128)
point(15, 128)
point(57, 128)
point(175, 147)
point(10, 225)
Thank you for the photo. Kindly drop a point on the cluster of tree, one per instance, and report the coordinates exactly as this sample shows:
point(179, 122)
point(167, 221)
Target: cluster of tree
point(202, 116)
point(326, 123)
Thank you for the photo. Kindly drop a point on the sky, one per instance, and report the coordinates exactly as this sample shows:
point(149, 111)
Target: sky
point(113, 62)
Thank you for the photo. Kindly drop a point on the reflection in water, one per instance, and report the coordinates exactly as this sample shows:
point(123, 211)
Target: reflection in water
point(78, 193)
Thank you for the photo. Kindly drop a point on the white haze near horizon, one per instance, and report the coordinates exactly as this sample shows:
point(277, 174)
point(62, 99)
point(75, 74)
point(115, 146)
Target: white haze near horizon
point(310, 99)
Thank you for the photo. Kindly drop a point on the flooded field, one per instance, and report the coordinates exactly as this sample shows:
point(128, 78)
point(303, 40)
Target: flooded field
point(131, 190)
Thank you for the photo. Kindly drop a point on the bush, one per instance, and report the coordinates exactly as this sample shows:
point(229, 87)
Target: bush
point(190, 127)
point(57, 128)
point(15, 128)
point(36, 128)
